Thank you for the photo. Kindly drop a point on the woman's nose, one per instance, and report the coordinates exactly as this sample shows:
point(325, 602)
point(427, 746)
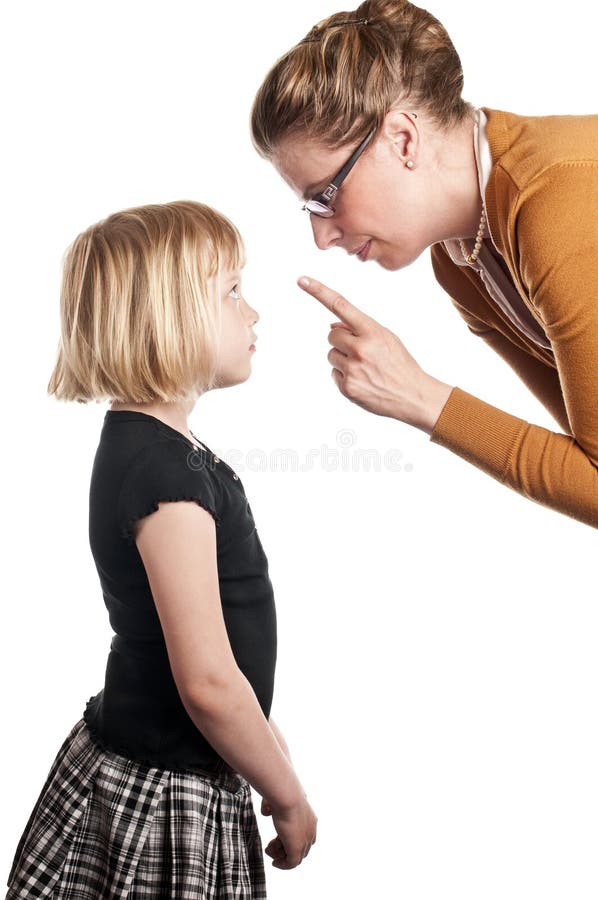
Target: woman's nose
point(326, 231)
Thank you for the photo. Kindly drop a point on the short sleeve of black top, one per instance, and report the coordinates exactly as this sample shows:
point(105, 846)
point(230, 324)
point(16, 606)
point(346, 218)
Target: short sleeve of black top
point(141, 461)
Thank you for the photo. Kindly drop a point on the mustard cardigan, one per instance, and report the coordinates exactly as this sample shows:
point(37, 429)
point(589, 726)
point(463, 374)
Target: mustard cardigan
point(542, 210)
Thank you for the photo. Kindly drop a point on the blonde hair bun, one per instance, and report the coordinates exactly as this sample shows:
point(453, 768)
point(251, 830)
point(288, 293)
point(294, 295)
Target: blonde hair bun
point(344, 76)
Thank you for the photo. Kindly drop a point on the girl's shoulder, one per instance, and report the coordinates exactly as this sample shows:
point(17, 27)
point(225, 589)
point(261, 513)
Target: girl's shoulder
point(167, 469)
point(142, 461)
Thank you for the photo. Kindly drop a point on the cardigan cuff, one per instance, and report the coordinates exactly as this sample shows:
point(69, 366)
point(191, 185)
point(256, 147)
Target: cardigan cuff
point(478, 432)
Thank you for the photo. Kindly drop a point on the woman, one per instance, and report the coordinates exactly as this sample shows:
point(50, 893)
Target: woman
point(365, 121)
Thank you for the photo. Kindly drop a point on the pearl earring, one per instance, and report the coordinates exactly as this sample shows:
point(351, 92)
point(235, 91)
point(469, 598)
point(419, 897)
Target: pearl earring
point(410, 164)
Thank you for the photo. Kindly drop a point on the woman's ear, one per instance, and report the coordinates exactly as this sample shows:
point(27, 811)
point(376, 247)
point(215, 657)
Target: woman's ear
point(399, 129)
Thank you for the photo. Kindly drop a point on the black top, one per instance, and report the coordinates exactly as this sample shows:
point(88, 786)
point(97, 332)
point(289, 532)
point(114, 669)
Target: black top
point(140, 461)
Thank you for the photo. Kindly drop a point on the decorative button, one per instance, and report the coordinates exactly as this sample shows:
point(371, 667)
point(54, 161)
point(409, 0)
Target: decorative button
point(236, 477)
point(216, 459)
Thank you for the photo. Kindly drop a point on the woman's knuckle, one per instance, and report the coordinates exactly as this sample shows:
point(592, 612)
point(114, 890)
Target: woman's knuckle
point(338, 303)
point(349, 386)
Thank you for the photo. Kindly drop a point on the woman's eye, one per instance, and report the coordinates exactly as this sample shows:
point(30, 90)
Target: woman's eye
point(235, 292)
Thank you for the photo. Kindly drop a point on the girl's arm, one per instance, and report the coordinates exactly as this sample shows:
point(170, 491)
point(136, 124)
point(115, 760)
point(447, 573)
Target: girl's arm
point(279, 737)
point(177, 545)
point(266, 808)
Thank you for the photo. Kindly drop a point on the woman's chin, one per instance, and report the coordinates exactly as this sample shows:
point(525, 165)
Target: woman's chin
point(392, 263)
point(395, 260)
point(389, 264)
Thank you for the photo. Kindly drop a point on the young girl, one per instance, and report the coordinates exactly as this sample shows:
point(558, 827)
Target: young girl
point(149, 795)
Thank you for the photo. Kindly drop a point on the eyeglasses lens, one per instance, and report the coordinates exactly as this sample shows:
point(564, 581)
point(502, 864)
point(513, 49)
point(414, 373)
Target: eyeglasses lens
point(319, 209)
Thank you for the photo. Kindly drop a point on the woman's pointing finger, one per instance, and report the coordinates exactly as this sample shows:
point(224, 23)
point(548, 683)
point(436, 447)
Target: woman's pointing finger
point(357, 320)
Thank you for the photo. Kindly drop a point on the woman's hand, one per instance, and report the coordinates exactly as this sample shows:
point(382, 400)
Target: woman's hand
point(372, 367)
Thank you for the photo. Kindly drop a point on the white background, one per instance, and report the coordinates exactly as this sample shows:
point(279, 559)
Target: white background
point(437, 676)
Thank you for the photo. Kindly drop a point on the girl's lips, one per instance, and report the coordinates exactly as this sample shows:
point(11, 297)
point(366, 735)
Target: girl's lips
point(363, 252)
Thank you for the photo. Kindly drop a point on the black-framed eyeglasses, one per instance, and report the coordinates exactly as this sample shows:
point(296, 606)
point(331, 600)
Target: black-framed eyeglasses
point(320, 204)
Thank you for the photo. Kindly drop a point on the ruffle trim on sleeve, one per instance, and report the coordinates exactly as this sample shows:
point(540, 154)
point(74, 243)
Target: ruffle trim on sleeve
point(127, 529)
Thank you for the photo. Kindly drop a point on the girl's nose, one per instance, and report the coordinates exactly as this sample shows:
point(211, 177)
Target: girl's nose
point(326, 232)
point(252, 314)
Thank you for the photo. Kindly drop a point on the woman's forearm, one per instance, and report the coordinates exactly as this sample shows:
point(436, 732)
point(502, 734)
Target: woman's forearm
point(432, 399)
point(229, 716)
point(553, 469)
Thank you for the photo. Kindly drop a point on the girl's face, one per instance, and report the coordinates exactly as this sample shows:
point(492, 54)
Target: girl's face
point(237, 337)
point(380, 209)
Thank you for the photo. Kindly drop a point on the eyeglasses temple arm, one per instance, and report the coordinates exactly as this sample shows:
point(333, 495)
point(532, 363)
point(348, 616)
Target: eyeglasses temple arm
point(338, 180)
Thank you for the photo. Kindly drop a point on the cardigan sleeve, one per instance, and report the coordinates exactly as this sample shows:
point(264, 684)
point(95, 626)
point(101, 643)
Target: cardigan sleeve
point(556, 233)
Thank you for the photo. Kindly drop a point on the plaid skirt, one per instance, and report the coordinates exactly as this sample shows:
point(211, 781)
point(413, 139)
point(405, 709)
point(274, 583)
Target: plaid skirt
point(107, 827)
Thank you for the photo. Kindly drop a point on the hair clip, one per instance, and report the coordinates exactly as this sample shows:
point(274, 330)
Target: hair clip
point(313, 40)
point(350, 22)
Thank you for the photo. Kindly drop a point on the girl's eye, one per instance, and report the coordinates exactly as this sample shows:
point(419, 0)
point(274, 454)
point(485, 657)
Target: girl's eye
point(235, 292)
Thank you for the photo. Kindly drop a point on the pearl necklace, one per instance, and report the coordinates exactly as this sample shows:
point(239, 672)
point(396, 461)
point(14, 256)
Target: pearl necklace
point(471, 257)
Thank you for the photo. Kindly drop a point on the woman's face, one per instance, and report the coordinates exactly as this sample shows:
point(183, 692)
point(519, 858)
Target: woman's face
point(237, 336)
point(379, 208)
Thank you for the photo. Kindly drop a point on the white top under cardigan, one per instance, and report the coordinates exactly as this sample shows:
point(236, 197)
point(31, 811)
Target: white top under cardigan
point(490, 263)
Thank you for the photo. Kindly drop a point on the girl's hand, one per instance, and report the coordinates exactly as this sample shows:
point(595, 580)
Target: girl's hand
point(372, 367)
point(296, 833)
point(295, 828)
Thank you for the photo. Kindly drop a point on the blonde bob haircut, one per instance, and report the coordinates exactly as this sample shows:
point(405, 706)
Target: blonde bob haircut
point(341, 80)
point(139, 304)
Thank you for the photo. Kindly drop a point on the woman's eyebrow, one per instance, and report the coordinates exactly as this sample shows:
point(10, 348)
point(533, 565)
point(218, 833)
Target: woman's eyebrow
point(309, 191)
point(316, 188)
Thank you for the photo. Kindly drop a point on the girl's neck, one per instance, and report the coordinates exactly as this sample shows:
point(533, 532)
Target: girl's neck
point(174, 414)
